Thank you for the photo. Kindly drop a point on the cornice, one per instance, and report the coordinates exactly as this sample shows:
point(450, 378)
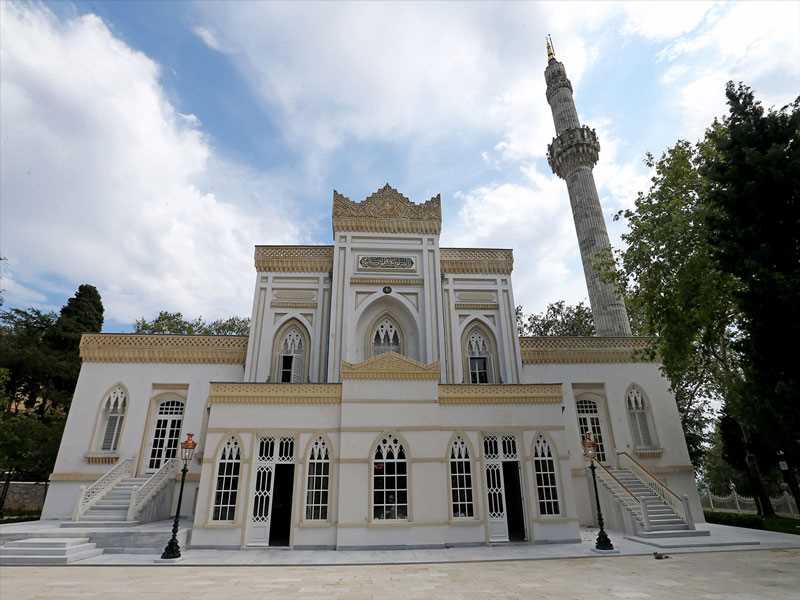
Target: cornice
point(477, 306)
point(524, 393)
point(294, 259)
point(416, 282)
point(585, 350)
point(387, 211)
point(391, 366)
point(477, 260)
point(275, 393)
point(184, 349)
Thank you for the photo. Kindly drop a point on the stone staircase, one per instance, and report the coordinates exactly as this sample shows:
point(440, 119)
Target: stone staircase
point(112, 509)
point(47, 551)
point(661, 521)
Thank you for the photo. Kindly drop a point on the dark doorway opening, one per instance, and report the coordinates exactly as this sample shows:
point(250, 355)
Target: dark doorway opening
point(513, 492)
point(280, 524)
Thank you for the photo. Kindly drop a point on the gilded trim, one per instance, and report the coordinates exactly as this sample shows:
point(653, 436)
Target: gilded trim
point(171, 386)
point(477, 260)
point(386, 281)
point(391, 366)
point(294, 259)
point(97, 458)
point(275, 393)
point(387, 211)
point(585, 350)
point(477, 306)
point(135, 348)
point(523, 393)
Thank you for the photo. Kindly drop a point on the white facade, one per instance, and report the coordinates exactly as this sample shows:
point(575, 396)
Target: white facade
point(382, 399)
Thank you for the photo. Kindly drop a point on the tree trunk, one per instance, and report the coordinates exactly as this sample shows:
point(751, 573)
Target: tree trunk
point(759, 491)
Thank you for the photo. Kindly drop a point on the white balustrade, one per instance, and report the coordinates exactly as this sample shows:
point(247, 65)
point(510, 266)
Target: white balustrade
point(90, 494)
point(150, 488)
point(629, 500)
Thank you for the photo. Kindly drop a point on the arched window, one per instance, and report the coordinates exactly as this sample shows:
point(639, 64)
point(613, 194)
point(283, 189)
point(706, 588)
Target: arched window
point(114, 407)
point(478, 349)
point(589, 422)
point(318, 481)
point(544, 470)
point(386, 337)
point(291, 363)
point(389, 480)
point(461, 479)
point(227, 485)
point(639, 418)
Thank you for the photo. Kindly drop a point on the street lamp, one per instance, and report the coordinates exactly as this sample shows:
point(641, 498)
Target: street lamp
point(589, 452)
point(173, 549)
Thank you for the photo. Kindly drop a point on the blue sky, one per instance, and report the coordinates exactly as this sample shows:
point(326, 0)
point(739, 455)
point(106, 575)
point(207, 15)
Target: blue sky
point(147, 146)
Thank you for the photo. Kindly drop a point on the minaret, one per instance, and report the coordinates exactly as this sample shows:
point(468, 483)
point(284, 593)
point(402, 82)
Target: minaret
point(572, 155)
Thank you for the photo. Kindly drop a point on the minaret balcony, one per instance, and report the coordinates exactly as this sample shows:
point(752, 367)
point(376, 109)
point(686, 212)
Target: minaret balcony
point(574, 148)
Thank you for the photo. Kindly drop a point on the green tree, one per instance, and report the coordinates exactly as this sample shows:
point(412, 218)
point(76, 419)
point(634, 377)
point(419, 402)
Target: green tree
point(29, 444)
point(559, 318)
point(752, 220)
point(175, 324)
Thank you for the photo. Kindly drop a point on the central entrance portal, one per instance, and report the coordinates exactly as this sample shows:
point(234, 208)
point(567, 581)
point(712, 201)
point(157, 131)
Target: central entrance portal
point(272, 489)
point(506, 516)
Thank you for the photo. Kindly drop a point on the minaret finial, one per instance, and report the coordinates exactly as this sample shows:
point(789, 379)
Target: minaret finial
point(551, 54)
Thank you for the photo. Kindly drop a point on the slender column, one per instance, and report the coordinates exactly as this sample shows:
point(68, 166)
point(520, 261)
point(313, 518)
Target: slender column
point(572, 155)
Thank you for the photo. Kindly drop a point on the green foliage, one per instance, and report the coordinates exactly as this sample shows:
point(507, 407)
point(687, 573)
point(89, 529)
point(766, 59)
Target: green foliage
point(175, 324)
point(734, 519)
point(559, 318)
point(753, 227)
point(29, 444)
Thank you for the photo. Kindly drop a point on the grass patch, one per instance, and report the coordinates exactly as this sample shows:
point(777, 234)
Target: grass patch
point(750, 521)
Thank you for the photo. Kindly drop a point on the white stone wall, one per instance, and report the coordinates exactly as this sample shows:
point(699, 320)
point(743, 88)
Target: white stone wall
point(142, 383)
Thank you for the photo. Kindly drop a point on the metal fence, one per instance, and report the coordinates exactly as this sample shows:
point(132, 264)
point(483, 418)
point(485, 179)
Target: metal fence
point(784, 504)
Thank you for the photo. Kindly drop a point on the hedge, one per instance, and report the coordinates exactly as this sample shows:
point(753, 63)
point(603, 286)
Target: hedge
point(734, 519)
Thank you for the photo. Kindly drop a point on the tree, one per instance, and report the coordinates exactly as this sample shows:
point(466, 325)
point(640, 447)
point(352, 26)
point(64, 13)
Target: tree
point(559, 318)
point(29, 444)
point(175, 324)
point(753, 227)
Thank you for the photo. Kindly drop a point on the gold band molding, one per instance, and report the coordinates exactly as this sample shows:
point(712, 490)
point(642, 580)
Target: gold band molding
point(184, 349)
point(585, 350)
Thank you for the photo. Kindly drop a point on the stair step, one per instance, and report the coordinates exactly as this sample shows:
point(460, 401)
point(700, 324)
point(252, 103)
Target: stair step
point(47, 542)
point(46, 551)
point(34, 559)
point(92, 524)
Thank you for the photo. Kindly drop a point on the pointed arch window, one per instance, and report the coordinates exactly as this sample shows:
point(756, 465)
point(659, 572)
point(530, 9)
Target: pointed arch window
point(478, 349)
point(389, 480)
point(114, 407)
point(318, 481)
point(291, 363)
point(227, 484)
point(639, 418)
point(544, 470)
point(386, 337)
point(461, 480)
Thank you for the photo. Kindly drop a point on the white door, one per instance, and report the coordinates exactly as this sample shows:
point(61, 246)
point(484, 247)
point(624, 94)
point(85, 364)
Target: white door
point(166, 434)
point(498, 448)
point(268, 454)
point(590, 421)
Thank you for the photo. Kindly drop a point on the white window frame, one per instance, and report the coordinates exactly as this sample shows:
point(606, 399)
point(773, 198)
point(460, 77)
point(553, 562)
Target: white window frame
point(115, 405)
point(640, 419)
point(461, 473)
point(544, 458)
point(318, 481)
point(228, 468)
point(386, 444)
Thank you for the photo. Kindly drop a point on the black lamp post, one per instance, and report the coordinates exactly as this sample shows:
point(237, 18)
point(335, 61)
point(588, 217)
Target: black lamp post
point(173, 549)
point(590, 451)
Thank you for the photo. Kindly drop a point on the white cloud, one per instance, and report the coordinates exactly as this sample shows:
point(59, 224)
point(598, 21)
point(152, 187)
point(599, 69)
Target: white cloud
point(208, 38)
point(108, 184)
point(663, 20)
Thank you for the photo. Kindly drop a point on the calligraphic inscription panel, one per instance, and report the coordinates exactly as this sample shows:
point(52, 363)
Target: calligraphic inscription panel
point(405, 264)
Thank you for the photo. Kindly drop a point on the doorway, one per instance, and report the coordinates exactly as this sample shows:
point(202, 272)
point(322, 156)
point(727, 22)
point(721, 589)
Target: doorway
point(166, 434)
point(513, 494)
point(282, 506)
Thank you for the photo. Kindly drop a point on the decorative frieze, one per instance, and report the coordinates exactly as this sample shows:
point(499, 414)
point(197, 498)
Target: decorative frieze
point(101, 459)
point(184, 349)
point(476, 306)
point(386, 263)
point(587, 349)
point(387, 211)
point(386, 281)
point(477, 260)
point(391, 366)
point(294, 259)
point(275, 393)
point(525, 393)
point(292, 304)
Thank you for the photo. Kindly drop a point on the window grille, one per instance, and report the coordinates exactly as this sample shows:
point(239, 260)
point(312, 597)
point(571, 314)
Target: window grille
point(637, 411)
point(589, 422)
point(479, 361)
point(115, 405)
point(386, 338)
point(390, 480)
point(292, 357)
point(227, 482)
point(318, 481)
point(461, 479)
point(544, 469)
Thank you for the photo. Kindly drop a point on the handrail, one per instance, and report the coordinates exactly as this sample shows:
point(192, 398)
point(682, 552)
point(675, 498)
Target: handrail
point(679, 504)
point(154, 484)
point(643, 507)
point(91, 494)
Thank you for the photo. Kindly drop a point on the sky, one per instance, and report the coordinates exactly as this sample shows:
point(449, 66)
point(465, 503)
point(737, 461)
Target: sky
point(146, 147)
